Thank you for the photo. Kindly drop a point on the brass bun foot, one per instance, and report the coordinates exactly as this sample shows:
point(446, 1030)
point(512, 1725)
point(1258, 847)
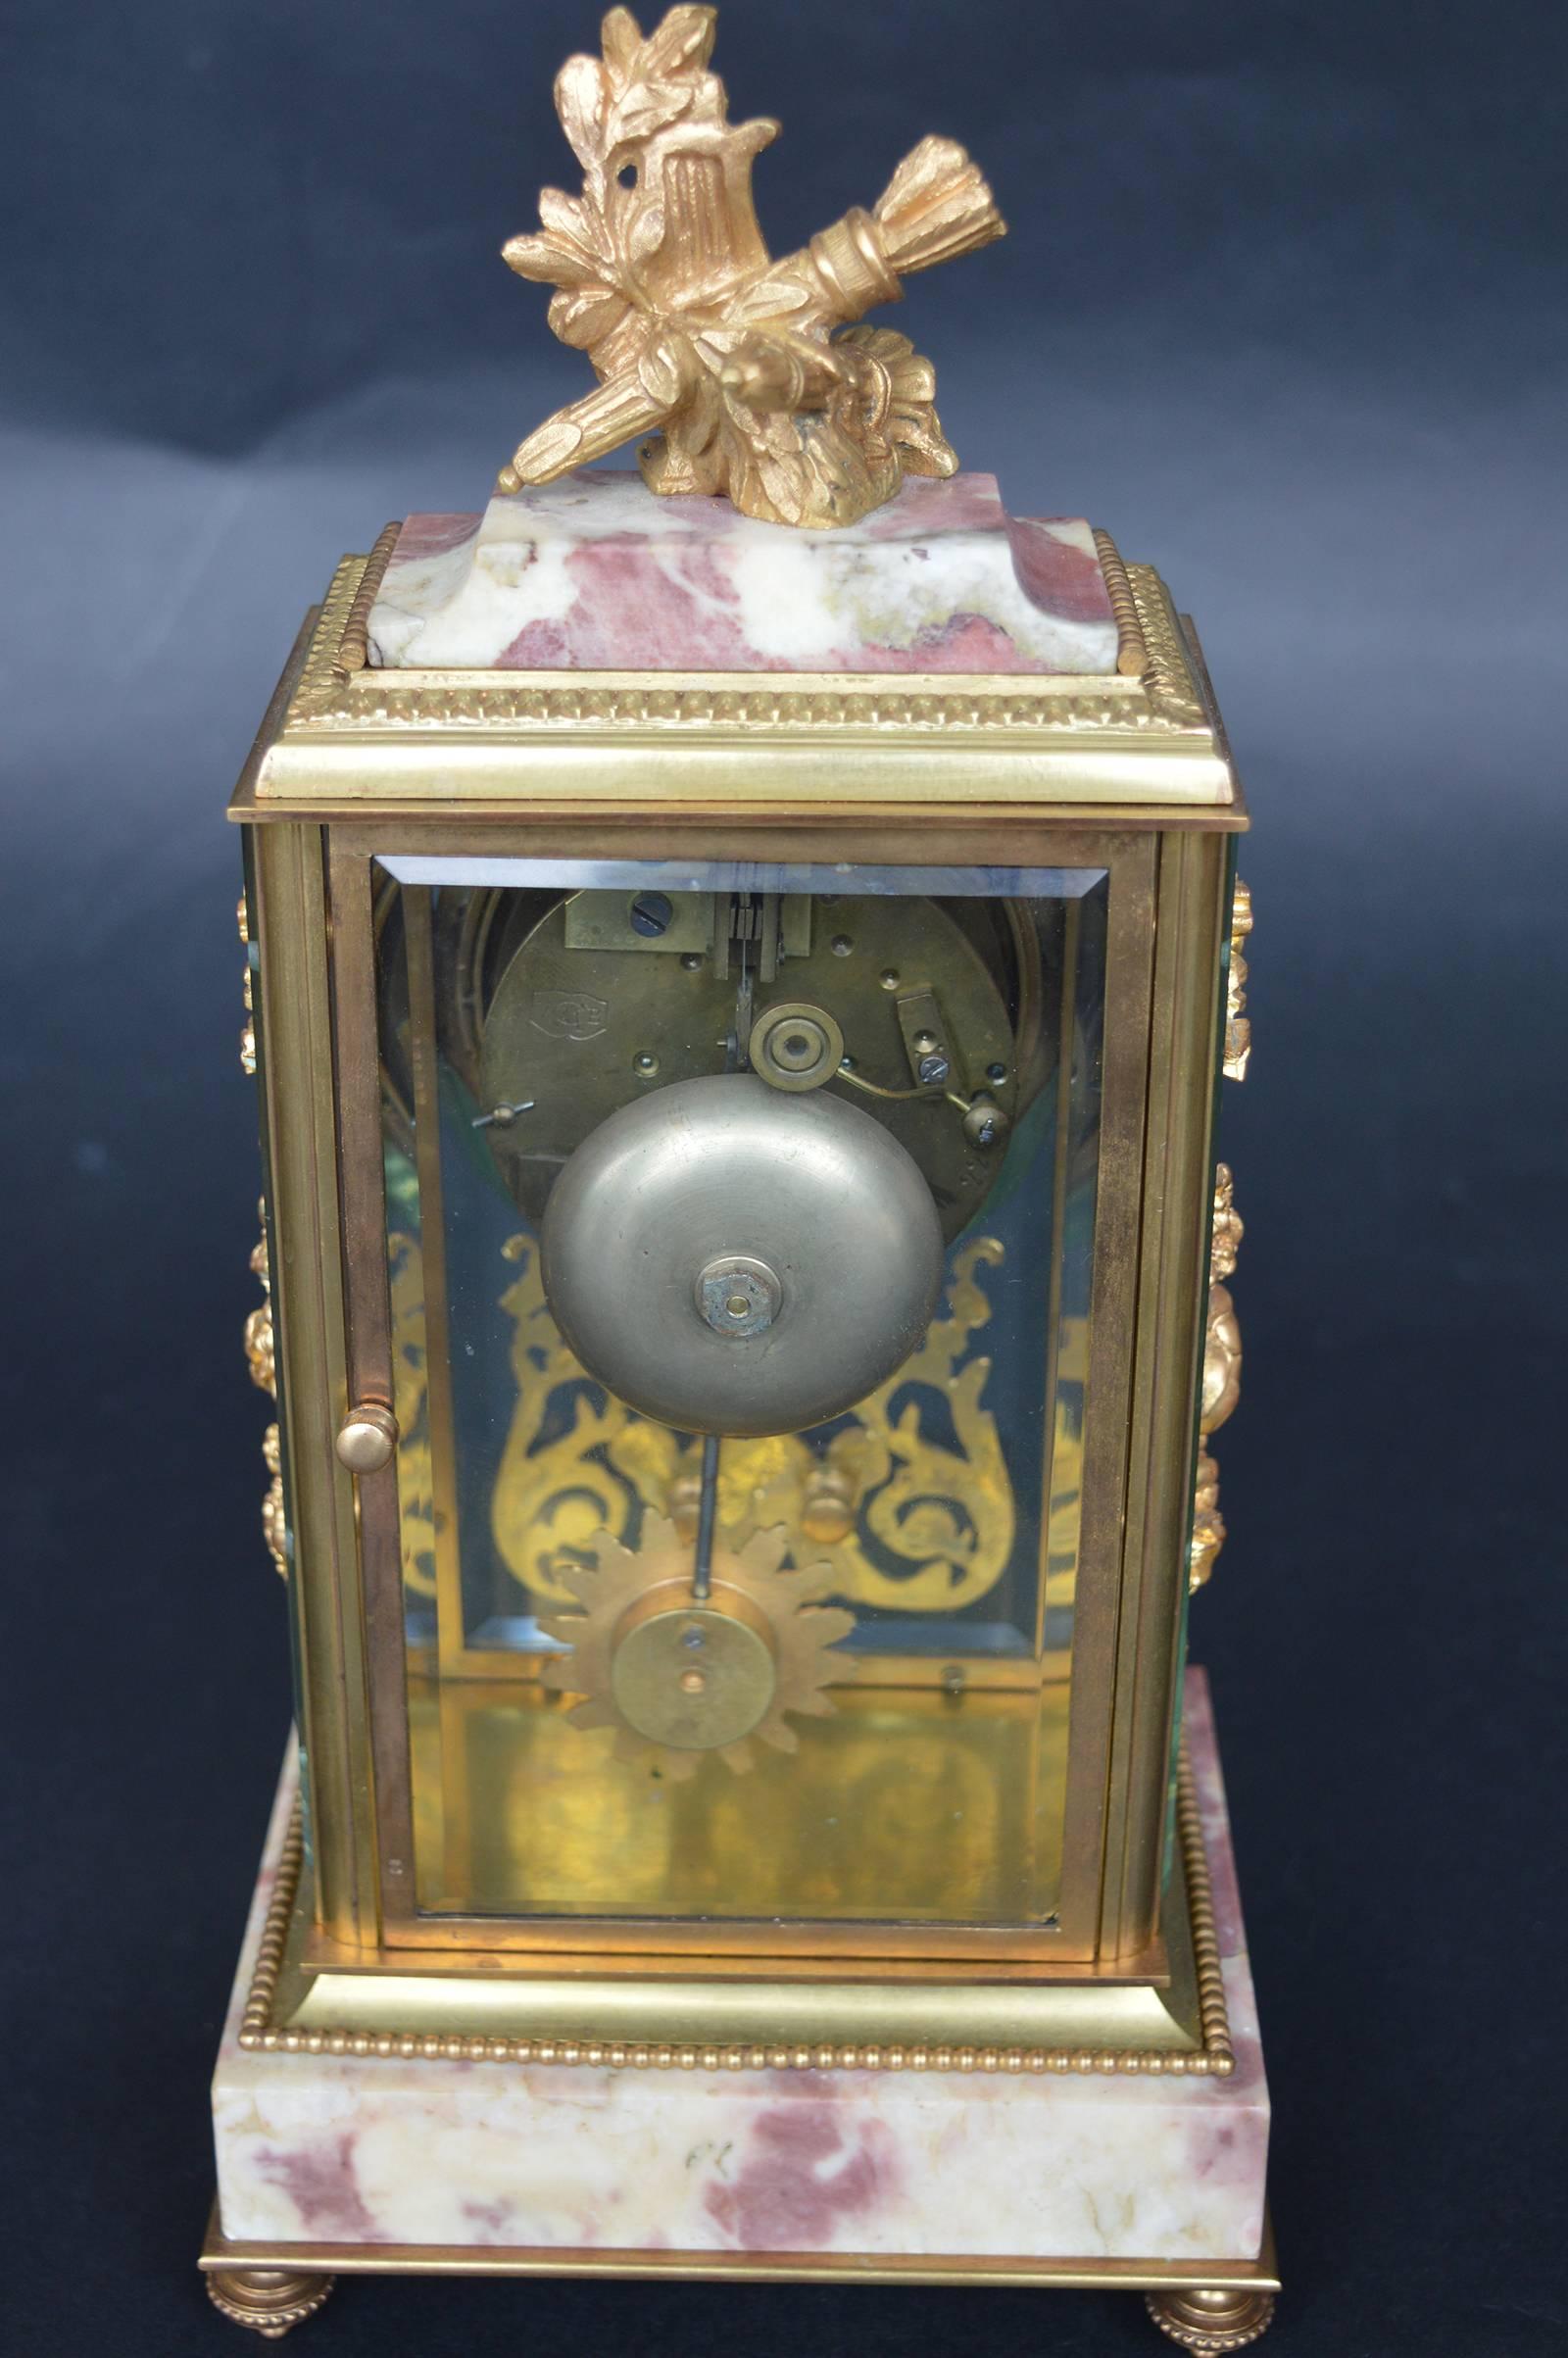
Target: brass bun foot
point(1210, 2321)
point(270, 2300)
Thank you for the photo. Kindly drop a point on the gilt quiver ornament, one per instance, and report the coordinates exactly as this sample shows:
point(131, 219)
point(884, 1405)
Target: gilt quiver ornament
point(730, 362)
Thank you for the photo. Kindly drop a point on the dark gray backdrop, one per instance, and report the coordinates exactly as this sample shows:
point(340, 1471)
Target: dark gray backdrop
point(1282, 308)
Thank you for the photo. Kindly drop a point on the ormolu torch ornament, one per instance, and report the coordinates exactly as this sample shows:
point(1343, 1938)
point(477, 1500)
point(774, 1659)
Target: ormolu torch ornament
point(666, 283)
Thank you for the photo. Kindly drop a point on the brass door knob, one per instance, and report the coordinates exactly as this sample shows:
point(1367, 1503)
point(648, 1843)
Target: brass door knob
point(367, 1438)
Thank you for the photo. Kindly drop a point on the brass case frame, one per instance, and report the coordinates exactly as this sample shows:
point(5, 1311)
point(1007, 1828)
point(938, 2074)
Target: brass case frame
point(777, 2013)
point(350, 764)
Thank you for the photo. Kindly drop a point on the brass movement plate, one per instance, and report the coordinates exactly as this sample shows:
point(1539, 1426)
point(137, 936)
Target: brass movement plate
point(348, 734)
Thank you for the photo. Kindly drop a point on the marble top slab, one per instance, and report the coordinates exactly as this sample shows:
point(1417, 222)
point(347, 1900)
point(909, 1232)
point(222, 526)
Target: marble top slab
point(596, 572)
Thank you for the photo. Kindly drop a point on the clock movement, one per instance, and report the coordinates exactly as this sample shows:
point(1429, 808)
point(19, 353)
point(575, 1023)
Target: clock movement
point(741, 956)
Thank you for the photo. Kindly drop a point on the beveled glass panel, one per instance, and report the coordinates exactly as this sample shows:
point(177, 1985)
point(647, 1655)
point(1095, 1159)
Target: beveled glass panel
point(817, 1674)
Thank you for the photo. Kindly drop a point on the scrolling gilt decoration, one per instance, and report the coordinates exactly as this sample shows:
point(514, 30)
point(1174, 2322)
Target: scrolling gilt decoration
point(261, 1358)
point(1238, 1029)
point(1222, 1343)
point(247, 1037)
point(260, 1348)
point(1222, 1379)
point(663, 280)
point(410, 1405)
point(901, 1519)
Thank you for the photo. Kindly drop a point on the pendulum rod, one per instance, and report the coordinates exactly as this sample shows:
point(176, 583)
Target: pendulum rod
point(702, 1569)
point(734, 1060)
point(745, 989)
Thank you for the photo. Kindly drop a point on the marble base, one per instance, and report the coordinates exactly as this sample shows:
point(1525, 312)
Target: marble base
point(596, 572)
point(581, 2165)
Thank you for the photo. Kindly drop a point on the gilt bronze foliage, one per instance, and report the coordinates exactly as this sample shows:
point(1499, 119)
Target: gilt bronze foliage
point(729, 361)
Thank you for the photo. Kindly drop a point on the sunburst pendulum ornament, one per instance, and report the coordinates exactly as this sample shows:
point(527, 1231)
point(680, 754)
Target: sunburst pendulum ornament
point(679, 1673)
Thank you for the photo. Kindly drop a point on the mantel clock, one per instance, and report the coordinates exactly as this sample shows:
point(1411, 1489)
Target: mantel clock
point(741, 956)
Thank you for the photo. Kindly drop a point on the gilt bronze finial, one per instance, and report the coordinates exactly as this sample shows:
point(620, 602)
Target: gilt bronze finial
point(664, 282)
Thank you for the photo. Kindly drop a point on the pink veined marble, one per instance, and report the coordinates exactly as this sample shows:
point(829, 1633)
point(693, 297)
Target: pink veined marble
point(596, 572)
point(324, 2148)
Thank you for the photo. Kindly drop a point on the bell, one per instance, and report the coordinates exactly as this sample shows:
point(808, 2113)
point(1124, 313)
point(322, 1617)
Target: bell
point(732, 1258)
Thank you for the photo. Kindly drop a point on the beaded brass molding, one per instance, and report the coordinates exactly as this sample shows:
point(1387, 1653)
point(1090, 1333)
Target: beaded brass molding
point(1109, 706)
point(1214, 2059)
point(1211, 2321)
point(270, 2300)
point(354, 647)
point(1131, 656)
point(324, 669)
point(340, 691)
point(1167, 677)
point(339, 645)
